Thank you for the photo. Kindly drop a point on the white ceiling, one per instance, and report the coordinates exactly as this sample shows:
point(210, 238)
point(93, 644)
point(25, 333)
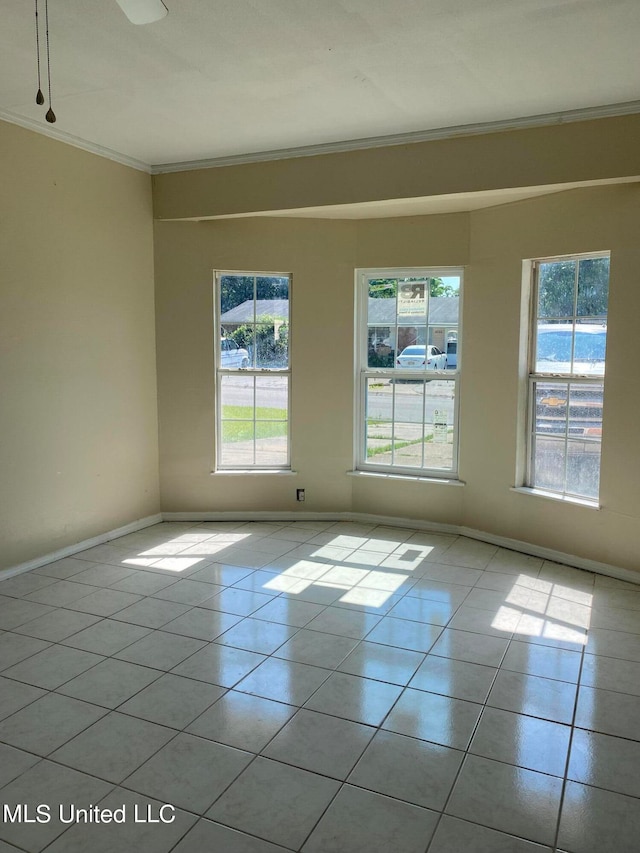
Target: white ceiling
point(219, 78)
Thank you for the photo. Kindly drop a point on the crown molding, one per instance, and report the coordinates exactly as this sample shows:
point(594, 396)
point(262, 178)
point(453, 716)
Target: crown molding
point(544, 120)
point(75, 141)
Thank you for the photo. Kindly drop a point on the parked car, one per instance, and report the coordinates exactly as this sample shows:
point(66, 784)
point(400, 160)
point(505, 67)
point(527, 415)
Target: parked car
point(231, 355)
point(421, 357)
point(553, 355)
point(553, 348)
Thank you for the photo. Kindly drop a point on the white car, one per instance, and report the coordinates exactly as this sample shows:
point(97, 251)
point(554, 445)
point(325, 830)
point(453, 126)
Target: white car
point(421, 357)
point(231, 355)
point(555, 342)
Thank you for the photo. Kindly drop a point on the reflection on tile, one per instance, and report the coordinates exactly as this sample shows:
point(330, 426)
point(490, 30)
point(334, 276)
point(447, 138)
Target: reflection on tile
point(361, 661)
point(382, 663)
point(284, 681)
point(320, 743)
point(202, 624)
point(255, 635)
point(410, 770)
point(359, 699)
point(288, 611)
point(435, 718)
point(455, 678)
point(415, 636)
point(312, 647)
point(286, 802)
point(609, 712)
point(611, 674)
point(244, 721)
point(509, 799)
point(470, 647)
point(530, 694)
point(222, 665)
point(172, 701)
point(546, 661)
point(613, 644)
point(423, 610)
point(346, 623)
point(501, 622)
point(605, 762)
point(594, 820)
point(360, 821)
point(160, 650)
point(519, 739)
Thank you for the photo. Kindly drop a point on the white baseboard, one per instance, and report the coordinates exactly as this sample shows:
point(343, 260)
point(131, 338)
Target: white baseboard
point(416, 524)
point(359, 517)
point(70, 550)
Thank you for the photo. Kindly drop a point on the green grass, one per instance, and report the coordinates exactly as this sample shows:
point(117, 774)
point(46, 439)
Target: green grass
point(385, 448)
point(237, 423)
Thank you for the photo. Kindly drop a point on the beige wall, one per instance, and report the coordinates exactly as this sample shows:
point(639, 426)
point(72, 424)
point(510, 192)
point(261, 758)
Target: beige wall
point(605, 149)
point(322, 256)
point(78, 417)
point(584, 220)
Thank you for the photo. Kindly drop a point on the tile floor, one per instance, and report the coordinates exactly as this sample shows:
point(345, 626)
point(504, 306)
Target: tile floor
point(320, 687)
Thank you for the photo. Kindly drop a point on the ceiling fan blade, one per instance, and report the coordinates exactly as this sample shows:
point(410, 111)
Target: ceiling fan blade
point(143, 11)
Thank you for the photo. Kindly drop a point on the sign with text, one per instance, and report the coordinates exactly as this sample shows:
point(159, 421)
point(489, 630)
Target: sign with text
point(412, 298)
point(440, 426)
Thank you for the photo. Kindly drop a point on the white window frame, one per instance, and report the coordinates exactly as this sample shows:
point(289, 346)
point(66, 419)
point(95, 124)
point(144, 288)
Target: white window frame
point(219, 371)
point(558, 378)
point(363, 372)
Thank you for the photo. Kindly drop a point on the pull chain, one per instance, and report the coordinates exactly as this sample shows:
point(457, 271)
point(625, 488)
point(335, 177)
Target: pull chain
point(39, 95)
point(50, 116)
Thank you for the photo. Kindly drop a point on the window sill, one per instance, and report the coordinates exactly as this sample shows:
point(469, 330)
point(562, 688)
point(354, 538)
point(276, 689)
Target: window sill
point(251, 471)
point(411, 478)
point(541, 493)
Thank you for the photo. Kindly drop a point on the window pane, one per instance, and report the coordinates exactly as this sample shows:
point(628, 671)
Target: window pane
point(589, 348)
point(379, 421)
point(551, 408)
point(593, 287)
point(549, 463)
point(571, 338)
point(585, 410)
point(272, 322)
point(272, 397)
point(583, 468)
point(253, 411)
point(411, 331)
point(237, 444)
point(556, 286)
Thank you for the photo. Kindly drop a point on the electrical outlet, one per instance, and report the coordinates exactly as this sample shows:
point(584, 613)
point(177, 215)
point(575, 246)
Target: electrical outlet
point(299, 494)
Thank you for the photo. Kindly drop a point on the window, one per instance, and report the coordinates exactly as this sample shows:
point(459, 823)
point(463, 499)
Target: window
point(566, 374)
point(408, 365)
point(252, 370)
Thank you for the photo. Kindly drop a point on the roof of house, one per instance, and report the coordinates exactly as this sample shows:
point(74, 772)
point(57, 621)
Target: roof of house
point(443, 310)
point(265, 309)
